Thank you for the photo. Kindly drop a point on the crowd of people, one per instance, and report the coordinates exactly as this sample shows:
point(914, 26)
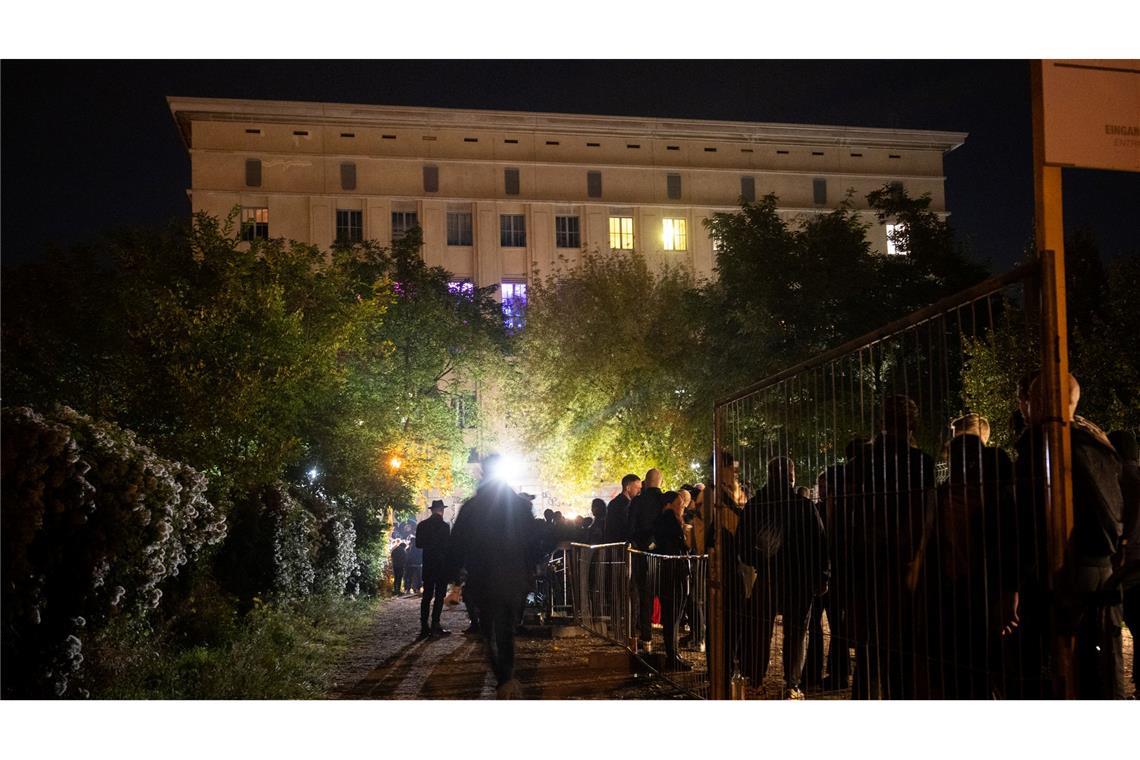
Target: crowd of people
point(933, 577)
point(941, 586)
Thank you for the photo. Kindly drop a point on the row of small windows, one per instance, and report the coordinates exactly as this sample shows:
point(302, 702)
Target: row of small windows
point(515, 141)
point(511, 182)
point(512, 229)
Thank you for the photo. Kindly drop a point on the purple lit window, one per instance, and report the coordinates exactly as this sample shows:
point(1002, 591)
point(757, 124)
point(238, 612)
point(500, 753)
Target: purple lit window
point(514, 305)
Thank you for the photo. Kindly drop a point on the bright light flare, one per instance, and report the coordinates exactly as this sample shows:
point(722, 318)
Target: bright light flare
point(313, 473)
point(395, 463)
point(508, 468)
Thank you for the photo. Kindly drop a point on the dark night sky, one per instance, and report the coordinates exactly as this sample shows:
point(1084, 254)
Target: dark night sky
point(87, 145)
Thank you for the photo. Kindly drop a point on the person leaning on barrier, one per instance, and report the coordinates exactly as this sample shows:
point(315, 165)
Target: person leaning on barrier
point(1125, 445)
point(597, 531)
point(617, 511)
point(1087, 601)
point(669, 541)
point(789, 552)
point(977, 569)
point(643, 512)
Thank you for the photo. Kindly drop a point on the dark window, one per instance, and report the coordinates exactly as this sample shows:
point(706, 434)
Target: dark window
point(470, 139)
point(253, 172)
point(348, 176)
point(710, 150)
point(253, 131)
point(593, 145)
point(388, 137)
point(634, 147)
point(431, 179)
point(553, 142)
point(819, 191)
point(672, 147)
point(746, 150)
point(300, 133)
point(459, 228)
point(512, 230)
point(748, 189)
point(594, 184)
point(349, 226)
point(511, 180)
point(781, 153)
point(511, 142)
point(348, 134)
point(892, 155)
point(856, 155)
point(567, 233)
point(673, 186)
point(255, 223)
point(817, 152)
point(402, 223)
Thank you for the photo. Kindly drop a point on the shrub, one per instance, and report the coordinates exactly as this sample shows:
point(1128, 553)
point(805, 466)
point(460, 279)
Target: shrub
point(94, 523)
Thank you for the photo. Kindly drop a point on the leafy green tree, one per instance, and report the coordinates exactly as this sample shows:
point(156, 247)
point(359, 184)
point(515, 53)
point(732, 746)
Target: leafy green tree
point(603, 371)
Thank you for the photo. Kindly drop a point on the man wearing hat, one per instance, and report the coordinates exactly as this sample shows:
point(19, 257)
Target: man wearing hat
point(432, 535)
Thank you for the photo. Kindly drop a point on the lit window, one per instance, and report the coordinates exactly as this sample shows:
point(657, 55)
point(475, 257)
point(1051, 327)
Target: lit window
point(462, 288)
point(896, 239)
point(514, 305)
point(255, 223)
point(349, 226)
point(402, 223)
point(458, 228)
point(621, 233)
point(512, 230)
point(567, 233)
point(676, 238)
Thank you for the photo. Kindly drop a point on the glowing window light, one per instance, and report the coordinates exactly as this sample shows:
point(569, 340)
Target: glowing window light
point(676, 235)
point(895, 234)
point(621, 233)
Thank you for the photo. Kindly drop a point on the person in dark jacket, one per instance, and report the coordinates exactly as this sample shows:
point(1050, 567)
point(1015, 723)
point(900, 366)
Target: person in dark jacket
point(672, 574)
point(596, 534)
point(398, 558)
point(788, 549)
point(891, 493)
point(643, 512)
point(432, 535)
point(976, 567)
point(833, 510)
point(1085, 604)
point(617, 511)
point(1125, 445)
point(413, 569)
point(496, 544)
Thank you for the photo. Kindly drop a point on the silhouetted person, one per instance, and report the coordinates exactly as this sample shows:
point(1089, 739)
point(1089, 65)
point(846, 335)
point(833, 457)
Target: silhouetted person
point(617, 511)
point(413, 569)
point(974, 556)
point(1125, 445)
point(398, 558)
point(432, 536)
point(834, 510)
point(891, 493)
point(597, 530)
point(788, 550)
point(643, 512)
point(673, 574)
point(495, 542)
point(1086, 605)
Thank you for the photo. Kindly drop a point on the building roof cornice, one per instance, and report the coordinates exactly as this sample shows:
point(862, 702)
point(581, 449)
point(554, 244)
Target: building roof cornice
point(186, 110)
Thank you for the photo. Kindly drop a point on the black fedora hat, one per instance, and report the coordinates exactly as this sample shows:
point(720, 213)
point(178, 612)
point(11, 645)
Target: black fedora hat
point(438, 504)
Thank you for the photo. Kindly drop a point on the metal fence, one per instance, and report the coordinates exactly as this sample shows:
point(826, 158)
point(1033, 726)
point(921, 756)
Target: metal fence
point(868, 542)
point(654, 605)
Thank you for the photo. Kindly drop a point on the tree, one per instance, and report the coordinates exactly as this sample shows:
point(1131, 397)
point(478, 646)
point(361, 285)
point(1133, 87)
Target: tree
point(603, 371)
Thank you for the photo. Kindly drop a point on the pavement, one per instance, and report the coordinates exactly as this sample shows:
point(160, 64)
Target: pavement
point(551, 662)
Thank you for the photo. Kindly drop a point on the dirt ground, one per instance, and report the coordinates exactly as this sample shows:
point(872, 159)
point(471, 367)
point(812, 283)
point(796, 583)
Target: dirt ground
point(388, 663)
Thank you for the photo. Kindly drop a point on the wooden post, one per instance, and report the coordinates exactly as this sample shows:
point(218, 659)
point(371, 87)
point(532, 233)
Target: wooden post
point(1058, 515)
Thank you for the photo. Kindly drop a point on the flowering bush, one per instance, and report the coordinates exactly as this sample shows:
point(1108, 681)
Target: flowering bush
point(93, 523)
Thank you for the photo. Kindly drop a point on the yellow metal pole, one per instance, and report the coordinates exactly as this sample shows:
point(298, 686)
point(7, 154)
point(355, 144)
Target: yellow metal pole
point(1054, 379)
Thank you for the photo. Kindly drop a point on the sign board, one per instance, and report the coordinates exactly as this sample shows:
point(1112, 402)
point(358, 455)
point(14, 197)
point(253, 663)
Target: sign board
point(1092, 113)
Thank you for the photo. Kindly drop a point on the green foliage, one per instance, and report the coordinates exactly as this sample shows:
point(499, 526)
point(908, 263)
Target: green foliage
point(602, 376)
point(284, 651)
point(94, 524)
